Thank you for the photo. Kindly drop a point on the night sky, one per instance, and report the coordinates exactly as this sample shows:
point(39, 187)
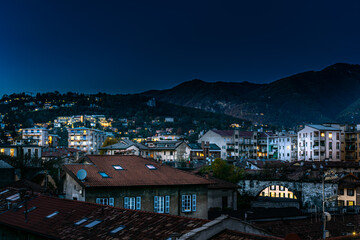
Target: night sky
point(134, 46)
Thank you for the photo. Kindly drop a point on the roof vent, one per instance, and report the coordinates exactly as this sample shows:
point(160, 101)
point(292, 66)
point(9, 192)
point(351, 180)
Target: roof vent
point(81, 174)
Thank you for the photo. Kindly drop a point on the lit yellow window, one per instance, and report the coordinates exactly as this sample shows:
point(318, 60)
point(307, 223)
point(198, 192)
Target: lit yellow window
point(273, 194)
point(84, 131)
point(350, 203)
point(2, 150)
point(330, 135)
point(322, 134)
point(12, 152)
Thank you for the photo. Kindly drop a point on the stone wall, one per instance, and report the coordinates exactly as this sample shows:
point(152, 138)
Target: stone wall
point(309, 194)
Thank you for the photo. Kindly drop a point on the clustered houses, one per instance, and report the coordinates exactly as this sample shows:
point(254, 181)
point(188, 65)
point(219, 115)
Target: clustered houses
point(235, 144)
point(86, 139)
point(25, 150)
point(332, 142)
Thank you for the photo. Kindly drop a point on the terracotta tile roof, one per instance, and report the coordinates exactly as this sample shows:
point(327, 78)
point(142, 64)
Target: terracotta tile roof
point(135, 172)
point(58, 152)
point(309, 228)
point(221, 184)
point(235, 235)
point(138, 224)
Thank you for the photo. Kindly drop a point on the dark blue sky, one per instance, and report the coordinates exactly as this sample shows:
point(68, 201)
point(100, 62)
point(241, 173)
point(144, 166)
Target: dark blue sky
point(133, 46)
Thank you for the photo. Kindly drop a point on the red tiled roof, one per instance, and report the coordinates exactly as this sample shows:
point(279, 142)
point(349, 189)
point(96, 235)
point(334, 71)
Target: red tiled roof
point(235, 235)
point(135, 172)
point(138, 224)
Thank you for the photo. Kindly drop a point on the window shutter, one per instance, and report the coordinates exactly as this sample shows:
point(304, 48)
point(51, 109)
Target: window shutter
point(98, 201)
point(194, 203)
point(183, 203)
point(138, 203)
point(111, 201)
point(167, 204)
point(156, 204)
point(126, 202)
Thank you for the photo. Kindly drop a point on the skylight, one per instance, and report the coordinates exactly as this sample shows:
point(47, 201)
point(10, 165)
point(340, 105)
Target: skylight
point(150, 166)
point(104, 175)
point(53, 214)
point(118, 229)
point(93, 223)
point(5, 191)
point(118, 167)
point(81, 221)
point(14, 197)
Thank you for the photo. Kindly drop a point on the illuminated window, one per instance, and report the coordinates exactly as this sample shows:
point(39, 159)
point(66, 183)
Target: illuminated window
point(322, 134)
point(12, 152)
point(350, 203)
point(330, 135)
point(273, 194)
point(2, 151)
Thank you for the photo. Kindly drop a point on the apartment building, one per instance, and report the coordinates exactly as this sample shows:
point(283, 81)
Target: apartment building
point(39, 136)
point(221, 138)
point(168, 151)
point(236, 144)
point(273, 147)
point(287, 147)
point(86, 139)
point(319, 143)
point(350, 142)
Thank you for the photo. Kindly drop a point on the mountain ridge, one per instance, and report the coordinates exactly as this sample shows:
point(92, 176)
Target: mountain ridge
point(311, 96)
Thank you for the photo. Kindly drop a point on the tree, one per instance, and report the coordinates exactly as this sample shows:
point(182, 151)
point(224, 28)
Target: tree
point(108, 141)
point(221, 169)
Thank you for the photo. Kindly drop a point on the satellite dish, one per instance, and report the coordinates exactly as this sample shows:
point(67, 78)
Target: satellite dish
point(81, 174)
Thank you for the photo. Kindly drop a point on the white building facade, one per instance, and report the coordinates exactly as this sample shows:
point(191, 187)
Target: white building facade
point(86, 139)
point(39, 136)
point(287, 147)
point(319, 143)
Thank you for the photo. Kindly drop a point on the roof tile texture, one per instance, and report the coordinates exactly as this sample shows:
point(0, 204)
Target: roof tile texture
point(135, 172)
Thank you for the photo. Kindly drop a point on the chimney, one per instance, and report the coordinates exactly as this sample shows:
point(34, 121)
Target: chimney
point(202, 144)
point(207, 144)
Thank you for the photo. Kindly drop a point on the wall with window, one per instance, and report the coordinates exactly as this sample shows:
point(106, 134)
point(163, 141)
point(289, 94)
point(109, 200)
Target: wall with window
point(347, 197)
point(222, 198)
point(190, 201)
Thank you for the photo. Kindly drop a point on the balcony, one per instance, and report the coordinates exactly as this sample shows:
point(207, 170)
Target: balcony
point(353, 139)
point(350, 158)
point(316, 147)
point(350, 148)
